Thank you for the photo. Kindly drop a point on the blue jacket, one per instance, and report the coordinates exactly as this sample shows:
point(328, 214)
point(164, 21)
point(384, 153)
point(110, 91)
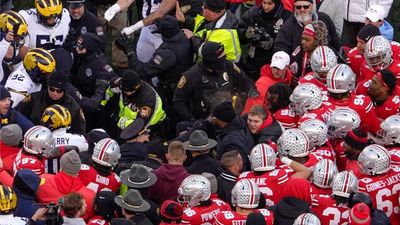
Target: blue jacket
point(387, 30)
point(13, 116)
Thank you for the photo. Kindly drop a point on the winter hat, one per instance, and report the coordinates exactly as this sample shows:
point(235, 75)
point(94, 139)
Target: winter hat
point(359, 215)
point(105, 205)
point(388, 78)
point(224, 112)
point(11, 135)
point(318, 30)
point(215, 5)
point(213, 181)
point(26, 182)
point(358, 137)
point(309, 31)
point(368, 31)
point(171, 210)
point(130, 80)
point(70, 163)
point(310, 1)
point(212, 53)
point(95, 136)
point(255, 218)
point(91, 42)
point(57, 80)
point(169, 26)
point(4, 93)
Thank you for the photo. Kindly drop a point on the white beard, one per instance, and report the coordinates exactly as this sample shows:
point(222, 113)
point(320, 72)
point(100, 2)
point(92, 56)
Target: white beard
point(302, 18)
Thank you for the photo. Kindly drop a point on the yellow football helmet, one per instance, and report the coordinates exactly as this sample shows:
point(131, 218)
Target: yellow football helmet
point(47, 9)
point(8, 199)
point(55, 117)
point(10, 20)
point(39, 62)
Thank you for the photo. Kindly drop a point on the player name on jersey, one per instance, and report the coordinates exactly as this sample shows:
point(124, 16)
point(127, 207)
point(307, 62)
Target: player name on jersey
point(383, 183)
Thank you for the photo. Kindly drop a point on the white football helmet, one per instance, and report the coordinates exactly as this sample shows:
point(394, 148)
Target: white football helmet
point(323, 173)
point(38, 140)
point(390, 130)
point(193, 190)
point(341, 121)
point(340, 79)
point(374, 159)
point(305, 97)
point(307, 219)
point(245, 194)
point(322, 60)
point(316, 131)
point(378, 53)
point(262, 158)
point(106, 152)
point(293, 142)
point(344, 183)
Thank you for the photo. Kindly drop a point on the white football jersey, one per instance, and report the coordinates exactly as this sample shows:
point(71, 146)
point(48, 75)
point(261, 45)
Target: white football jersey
point(63, 138)
point(11, 220)
point(150, 6)
point(41, 36)
point(3, 50)
point(20, 84)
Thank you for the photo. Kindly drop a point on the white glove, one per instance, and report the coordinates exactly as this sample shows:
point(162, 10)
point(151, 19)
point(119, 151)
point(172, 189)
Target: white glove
point(110, 13)
point(133, 28)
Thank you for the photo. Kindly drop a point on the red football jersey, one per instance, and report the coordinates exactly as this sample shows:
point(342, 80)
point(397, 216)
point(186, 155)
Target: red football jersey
point(341, 159)
point(309, 78)
point(203, 214)
point(315, 190)
point(366, 73)
point(270, 183)
point(30, 162)
point(97, 220)
point(322, 113)
point(92, 180)
point(315, 157)
point(355, 60)
point(363, 105)
point(389, 107)
point(234, 218)
point(330, 213)
point(385, 192)
point(394, 156)
point(286, 117)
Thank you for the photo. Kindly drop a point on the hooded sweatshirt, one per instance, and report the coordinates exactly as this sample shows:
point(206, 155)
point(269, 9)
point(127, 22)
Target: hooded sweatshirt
point(169, 177)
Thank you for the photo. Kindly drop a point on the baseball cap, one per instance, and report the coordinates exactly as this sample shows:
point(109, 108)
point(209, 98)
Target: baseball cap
point(375, 13)
point(280, 60)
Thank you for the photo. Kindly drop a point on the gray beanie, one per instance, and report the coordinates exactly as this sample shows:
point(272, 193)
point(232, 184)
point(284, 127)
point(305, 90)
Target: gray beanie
point(70, 162)
point(213, 181)
point(11, 135)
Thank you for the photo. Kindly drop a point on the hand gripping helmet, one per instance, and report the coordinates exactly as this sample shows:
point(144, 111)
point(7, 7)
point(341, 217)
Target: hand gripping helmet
point(304, 98)
point(193, 190)
point(344, 183)
point(341, 121)
point(390, 130)
point(10, 20)
point(293, 142)
point(245, 194)
point(262, 158)
point(378, 53)
point(38, 63)
point(307, 219)
point(322, 60)
point(340, 79)
point(323, 173)
point(47, 9)
point(374, 159)
point(38, 140)
point(106, 152)
point(55, 117)
point(316, 131)
point(8, 199)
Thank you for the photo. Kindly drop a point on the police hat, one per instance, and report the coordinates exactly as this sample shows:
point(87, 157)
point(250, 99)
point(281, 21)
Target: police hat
point(135, 129)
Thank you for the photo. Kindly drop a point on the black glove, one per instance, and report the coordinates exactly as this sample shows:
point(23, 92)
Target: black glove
point(102, 82)
point(253, 93)
point(57, 152)
point(125, 43)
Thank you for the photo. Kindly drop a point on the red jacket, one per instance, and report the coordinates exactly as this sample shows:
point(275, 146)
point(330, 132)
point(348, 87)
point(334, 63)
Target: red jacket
point(56, 186)
point(8, 154)
point(263, 83)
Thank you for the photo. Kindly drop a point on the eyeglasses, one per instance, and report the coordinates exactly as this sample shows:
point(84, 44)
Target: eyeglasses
point(302, 6)
point(80, 46)
point(52, 89)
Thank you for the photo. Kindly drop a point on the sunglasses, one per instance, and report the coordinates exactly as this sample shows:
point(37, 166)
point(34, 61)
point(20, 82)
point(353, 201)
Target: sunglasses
point(302, 6)
point(52, 89)
point(80, 46)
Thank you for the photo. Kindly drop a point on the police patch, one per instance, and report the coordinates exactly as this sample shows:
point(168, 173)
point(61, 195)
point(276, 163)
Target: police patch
point(158, 60)
point(89, 72)
point(182, 82)
point(83, 30)
point(145, 111)
point(100, 31)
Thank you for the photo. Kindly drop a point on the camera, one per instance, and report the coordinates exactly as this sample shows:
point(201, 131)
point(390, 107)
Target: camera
point(261, 39)
point(53, 216)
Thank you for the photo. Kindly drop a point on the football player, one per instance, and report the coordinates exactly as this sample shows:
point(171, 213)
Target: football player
point(382, 183)
point(389, 134)
point(307, 219)
point(99, 176)
point(322, 177)
point(245, 199)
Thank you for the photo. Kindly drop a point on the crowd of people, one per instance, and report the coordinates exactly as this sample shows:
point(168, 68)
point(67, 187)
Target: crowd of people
point(223, 112)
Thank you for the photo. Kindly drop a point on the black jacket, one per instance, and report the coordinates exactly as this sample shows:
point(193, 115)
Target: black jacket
point(235, 136)
point(226, 180)
point(204, 163)
point(39, 101)
point(289, 36)
point(288, 209)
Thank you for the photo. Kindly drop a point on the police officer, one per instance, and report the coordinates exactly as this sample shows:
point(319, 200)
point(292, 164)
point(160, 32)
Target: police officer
point(138, 99)
point(89, 77)
point(82, 21)
point(209, 83)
